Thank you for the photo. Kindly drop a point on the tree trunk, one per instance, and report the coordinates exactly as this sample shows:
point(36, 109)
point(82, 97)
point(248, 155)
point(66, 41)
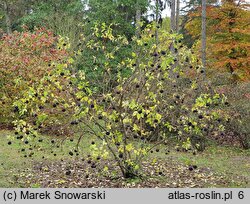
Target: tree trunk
point(157, 16)
point(177, 15)
point(138, 34)
point(172, 19)
point(138, 19)
point(203, 35)
point(7, 18)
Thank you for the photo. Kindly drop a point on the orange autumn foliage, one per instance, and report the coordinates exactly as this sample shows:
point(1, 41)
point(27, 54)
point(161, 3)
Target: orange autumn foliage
point(228, 37)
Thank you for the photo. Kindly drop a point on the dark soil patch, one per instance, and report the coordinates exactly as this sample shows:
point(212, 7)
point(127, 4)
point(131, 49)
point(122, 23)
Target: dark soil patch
point(81, 174)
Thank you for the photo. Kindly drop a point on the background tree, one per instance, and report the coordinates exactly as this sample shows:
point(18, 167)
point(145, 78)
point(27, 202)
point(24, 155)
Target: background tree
point(177, 16)
point(173, 12)
point(203, 34)
point(230, 40)
point(121, 13)
point(7, 17)
point(227, 37)
point(12, 11)
point(63, 17)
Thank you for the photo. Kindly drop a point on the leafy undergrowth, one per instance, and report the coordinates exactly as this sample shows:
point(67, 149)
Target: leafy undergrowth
point(216, 167)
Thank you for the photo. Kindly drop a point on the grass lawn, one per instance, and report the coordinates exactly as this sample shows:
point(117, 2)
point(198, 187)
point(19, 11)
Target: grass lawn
point(13, 162)
point(230, 163)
